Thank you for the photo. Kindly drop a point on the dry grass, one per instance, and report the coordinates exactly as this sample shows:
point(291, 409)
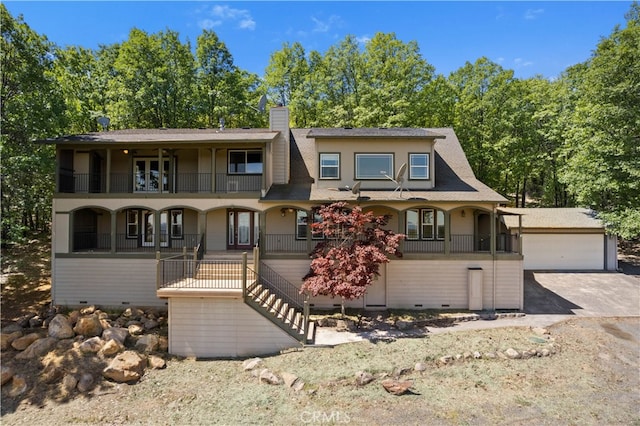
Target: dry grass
point(592, 379)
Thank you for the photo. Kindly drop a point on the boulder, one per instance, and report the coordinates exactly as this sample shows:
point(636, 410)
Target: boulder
point(73, 317)
point(135, 329)
point(69, 382)
point(6, 374)
point(60, 327)
point(150, 324)
point(7, 338)
point(363, 378)
point(13, 327)
point(91, 345)
point(36, 322)
point(266, 376)
point(88, 326)
point(512, 354)
point(445, 359)
point(88, 310)
point(250, 364)
point(116, 333)
point(397, 387)
point(404, 325)
point(18, 386)
point(126, 367)
point(289, 379)
point(39, 348)
point(22, 343)
point(86, 382)
point(420, 366)
point(112, 347)
point(23, 321)
point(147, 343)
point(156, 362)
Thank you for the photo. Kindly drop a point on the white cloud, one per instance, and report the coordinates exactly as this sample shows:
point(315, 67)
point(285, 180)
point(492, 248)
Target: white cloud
point(323, 26)
point(224, 13)
point(531, 14)
point(521, 63)
point(363, 39)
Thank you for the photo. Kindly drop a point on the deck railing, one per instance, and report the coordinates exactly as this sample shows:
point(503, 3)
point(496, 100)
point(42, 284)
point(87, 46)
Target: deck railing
point(101, 242)
point(460, 243)
point(279, 286)
point(125, 183)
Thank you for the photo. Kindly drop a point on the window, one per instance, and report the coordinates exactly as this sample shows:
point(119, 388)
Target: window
point(422, 223)
point(245, 162)
point(303, 225)
point(176, 225)
point(132, 223)
point(329, 166)
point(418, 166)
point(374, 166)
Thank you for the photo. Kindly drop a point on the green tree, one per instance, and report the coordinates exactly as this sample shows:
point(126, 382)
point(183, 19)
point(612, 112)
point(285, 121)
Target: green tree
point(392, 78)
point(603, 157)
point(285, 73)
point(32, 107)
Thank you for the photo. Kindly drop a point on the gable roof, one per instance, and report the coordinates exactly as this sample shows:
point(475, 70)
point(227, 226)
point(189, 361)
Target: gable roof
point(455, 180)
point(372, 133)
point(166, 135)
point(553, 218)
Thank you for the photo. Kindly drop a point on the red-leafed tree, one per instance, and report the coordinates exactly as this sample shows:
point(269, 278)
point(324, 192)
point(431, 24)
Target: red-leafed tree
point(348, 259)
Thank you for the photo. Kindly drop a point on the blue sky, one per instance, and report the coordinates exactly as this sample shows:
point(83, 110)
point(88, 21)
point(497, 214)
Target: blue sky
point(528, 37)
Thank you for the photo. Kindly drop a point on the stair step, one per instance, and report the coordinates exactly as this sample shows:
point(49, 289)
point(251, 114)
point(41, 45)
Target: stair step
point(311, 332)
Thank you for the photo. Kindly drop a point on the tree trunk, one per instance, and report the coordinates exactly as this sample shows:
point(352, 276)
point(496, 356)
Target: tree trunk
point(342, 311)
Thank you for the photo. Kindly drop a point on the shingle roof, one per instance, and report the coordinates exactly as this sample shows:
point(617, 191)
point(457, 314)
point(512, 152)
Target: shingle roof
point(455, 180)
point(372, 133)
point(167, 135)
point(553, 218)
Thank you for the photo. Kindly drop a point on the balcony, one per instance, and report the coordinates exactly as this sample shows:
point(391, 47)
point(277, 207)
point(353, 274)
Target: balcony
point(90, 242)
point(505, 243)
point(149, 183)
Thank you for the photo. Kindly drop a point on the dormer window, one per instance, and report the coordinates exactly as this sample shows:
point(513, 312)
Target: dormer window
point(329, 165)
point(374, 166)
point(419, 166)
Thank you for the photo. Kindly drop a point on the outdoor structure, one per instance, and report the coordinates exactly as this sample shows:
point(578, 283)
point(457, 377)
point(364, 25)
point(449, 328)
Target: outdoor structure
point(160, 217)
point(563, 239)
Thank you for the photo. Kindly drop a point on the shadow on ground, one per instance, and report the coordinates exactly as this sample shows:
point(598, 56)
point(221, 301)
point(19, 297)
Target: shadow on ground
point(540, 300)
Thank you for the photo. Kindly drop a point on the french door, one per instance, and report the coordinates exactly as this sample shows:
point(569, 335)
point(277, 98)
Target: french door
point(148, 229)
point(146, 175)
point(242, 228)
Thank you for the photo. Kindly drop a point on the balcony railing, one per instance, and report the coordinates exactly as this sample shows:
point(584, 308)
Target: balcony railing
point(460, 243)
point(284, 243)
point(101, 242)
point(123, 183)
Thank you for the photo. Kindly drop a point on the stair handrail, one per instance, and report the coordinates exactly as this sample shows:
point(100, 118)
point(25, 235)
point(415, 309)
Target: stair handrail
point(280, 286)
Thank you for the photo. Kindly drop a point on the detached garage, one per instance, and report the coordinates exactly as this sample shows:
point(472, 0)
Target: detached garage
point(563, 239)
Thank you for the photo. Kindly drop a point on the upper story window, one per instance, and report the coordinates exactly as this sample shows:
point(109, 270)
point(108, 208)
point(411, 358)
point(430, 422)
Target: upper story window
point(329, 165)
point(374, 166)
point(245, 162)
point(425, 224)
point(419, 166)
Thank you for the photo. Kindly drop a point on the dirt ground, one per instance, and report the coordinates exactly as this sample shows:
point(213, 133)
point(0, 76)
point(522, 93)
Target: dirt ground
point(592, 378)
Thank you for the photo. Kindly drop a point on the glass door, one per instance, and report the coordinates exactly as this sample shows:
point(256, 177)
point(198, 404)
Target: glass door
point(241, 232)
point(146, 175)
point(148, 229)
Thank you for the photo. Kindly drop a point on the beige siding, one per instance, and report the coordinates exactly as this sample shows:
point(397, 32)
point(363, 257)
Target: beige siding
point(400, 148)
point(217, 230)
point(509, 285)
point(222, 327)
point(444, 284)
point(60, 237)
point(279, 120)
point(105, 282)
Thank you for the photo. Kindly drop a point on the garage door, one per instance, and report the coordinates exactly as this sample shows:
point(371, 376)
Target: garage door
point(563, 251)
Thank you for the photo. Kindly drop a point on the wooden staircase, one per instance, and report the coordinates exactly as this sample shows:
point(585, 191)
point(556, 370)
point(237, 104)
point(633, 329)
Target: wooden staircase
point(281, 312)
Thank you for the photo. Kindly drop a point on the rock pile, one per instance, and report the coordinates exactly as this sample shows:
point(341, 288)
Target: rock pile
point(77, 350)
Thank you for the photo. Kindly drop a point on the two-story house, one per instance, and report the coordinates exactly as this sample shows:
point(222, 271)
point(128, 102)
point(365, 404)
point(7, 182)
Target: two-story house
point(160, 218)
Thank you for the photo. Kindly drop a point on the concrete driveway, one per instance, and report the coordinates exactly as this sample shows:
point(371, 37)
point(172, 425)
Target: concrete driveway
point(583, 294)
point(549, 297)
